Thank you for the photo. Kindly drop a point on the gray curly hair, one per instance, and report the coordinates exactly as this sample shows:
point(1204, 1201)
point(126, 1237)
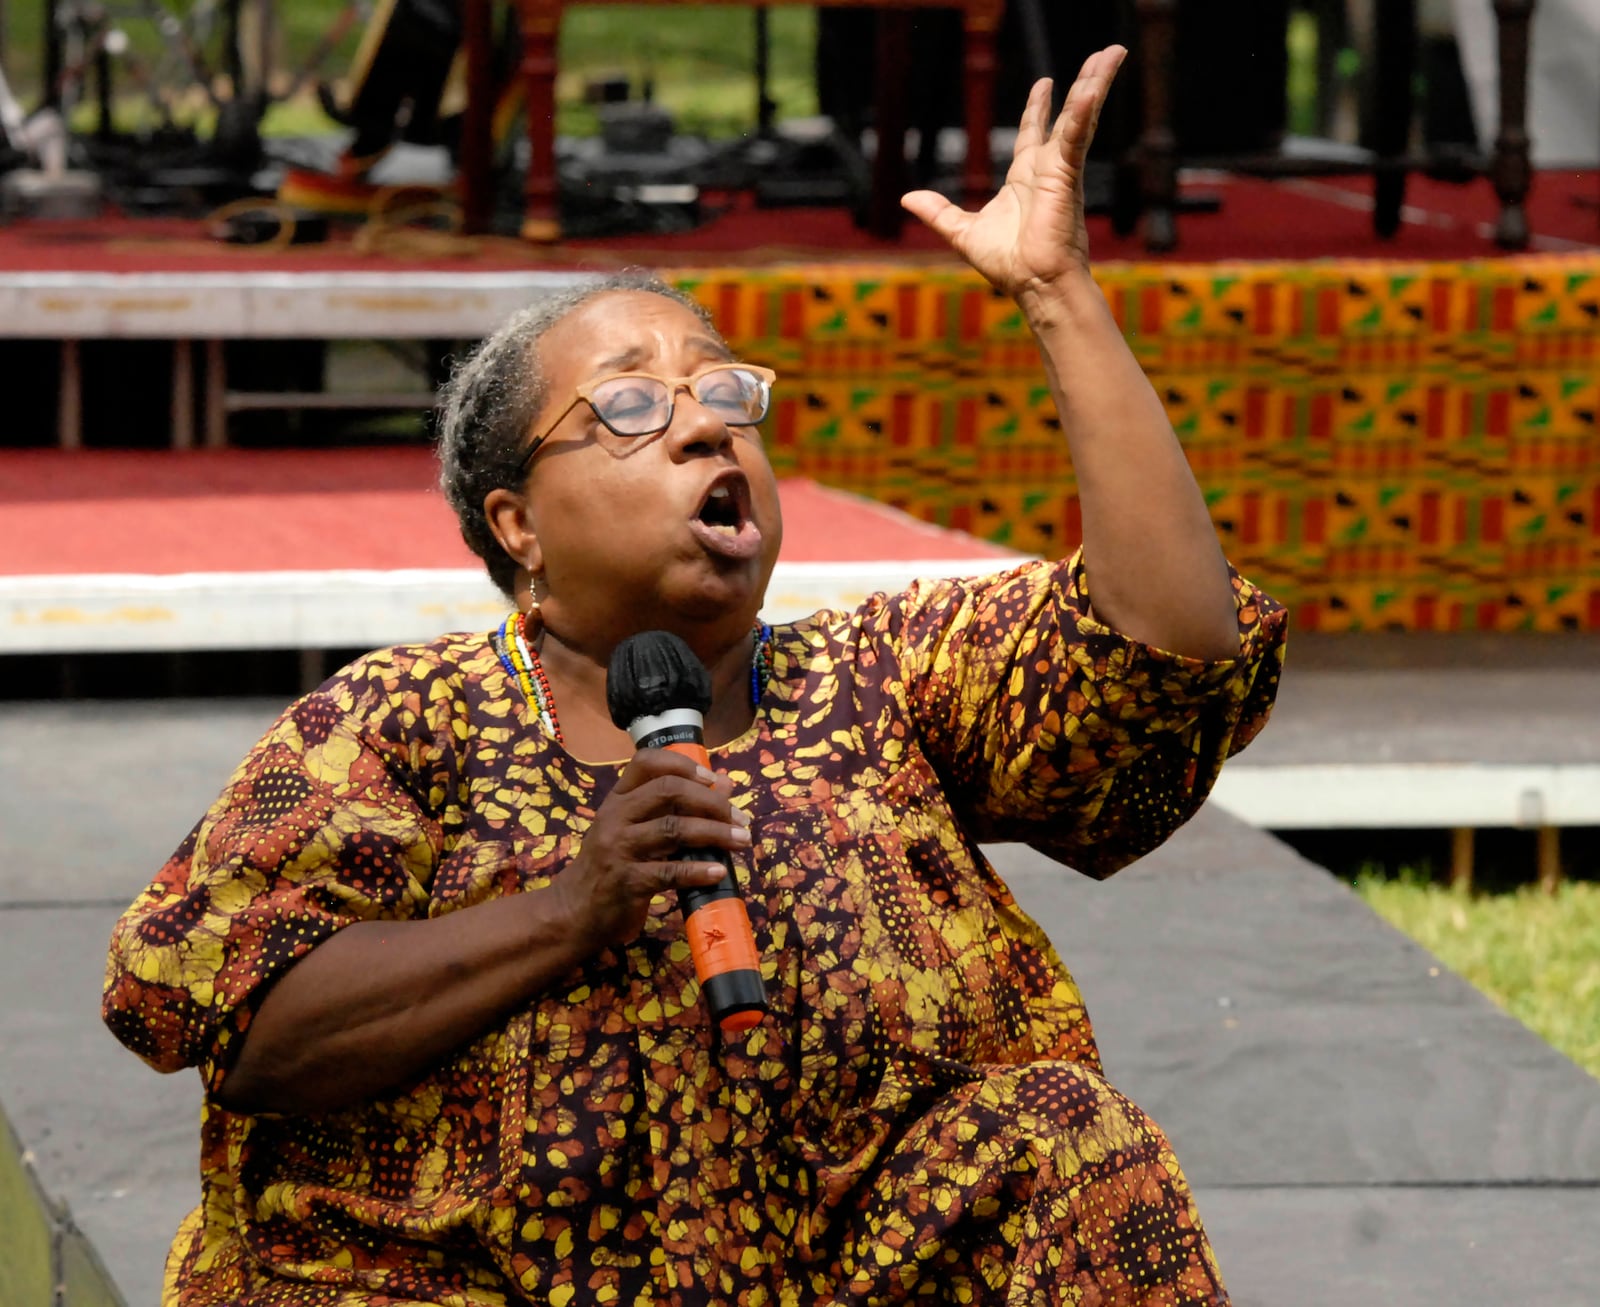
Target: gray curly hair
point(493, 398)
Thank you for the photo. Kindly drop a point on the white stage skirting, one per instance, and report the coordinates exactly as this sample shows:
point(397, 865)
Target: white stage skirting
point(1409, 795)
point(244, 305)
point(348, 609)
point(368, 609)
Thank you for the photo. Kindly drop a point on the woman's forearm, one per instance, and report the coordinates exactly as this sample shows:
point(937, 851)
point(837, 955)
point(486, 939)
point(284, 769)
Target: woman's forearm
point(1156, 570)
point(380, 1002)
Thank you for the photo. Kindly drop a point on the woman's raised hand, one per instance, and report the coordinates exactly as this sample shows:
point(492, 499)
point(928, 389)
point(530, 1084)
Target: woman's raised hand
point(1032, 232)
point(661, 806)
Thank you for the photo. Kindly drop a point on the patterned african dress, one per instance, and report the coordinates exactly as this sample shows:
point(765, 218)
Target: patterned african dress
point(921, 1116)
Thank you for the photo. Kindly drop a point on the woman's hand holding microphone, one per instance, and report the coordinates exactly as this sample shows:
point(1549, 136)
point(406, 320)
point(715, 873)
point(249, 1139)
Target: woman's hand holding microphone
point(663, 804)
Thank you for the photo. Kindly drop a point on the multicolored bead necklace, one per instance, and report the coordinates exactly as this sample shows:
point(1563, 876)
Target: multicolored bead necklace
point(521, 661)
point(520, 657)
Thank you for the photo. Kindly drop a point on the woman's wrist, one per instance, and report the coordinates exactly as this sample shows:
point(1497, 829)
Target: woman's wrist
point(1061, 302)
point(559, 936)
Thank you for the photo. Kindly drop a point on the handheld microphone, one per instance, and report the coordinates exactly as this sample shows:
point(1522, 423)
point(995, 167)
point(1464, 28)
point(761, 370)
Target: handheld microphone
point(658, 692)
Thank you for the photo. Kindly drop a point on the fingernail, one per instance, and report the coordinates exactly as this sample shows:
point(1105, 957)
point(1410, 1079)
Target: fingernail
point(704, 774)
point(740, 834)
point(742, 817)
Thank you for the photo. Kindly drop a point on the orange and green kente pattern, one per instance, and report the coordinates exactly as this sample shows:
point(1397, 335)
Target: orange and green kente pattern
point(1383, 445)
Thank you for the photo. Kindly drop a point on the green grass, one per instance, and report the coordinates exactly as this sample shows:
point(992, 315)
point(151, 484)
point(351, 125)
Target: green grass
point(1534, 954)
point(700, 59)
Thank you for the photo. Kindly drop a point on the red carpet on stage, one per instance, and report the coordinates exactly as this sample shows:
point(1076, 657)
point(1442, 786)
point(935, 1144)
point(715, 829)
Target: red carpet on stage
point(1293, 219)
point(156, 513)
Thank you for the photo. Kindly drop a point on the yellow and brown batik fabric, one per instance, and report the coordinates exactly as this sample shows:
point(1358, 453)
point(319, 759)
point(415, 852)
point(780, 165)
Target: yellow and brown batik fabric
point(1383, 445)
point(921, 1117)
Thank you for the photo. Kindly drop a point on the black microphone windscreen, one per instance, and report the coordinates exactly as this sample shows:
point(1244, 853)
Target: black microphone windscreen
point(651, 673)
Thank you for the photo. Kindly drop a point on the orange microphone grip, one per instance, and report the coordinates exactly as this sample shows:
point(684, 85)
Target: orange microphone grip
point(720, 941)
point(659, 692)
point(690, 749)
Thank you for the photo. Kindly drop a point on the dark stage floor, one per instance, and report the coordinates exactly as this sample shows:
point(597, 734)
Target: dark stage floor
point(1362, 1125)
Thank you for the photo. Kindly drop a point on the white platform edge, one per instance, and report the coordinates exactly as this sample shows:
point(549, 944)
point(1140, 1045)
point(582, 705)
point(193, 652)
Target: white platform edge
point(1331, 796)
point(369, 609)
point(255, 305)
point(349, 609)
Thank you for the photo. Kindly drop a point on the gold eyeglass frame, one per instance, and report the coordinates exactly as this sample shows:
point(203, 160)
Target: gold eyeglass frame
point(584, 395)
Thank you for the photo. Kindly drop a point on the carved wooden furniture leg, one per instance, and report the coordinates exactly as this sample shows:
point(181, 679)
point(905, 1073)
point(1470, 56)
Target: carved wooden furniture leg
point(1119, 127)
point(891, 111)
point(540, 22)
point(1511, 169)
point(477, 122)
point(1396, 41)
point(1158, 147)
point(980, 27)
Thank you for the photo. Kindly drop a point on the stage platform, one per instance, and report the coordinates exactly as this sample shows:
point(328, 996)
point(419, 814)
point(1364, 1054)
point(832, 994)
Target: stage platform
point(1406, 730)
point(105, 551)
point(1358, 1121)
point(1392, 435)
point(140, 551)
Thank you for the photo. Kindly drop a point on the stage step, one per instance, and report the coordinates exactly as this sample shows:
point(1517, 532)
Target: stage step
point(343, 609)
point(1338, 796)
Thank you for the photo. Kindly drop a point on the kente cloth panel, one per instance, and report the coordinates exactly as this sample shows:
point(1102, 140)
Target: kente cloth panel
point(1383, 445)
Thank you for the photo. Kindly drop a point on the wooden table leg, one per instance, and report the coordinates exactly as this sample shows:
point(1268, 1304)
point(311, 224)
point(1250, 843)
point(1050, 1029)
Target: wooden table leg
point(766, 106)
point(1396, 42)
point(477, 121)
point(1158, 144)
point(1511, 169)
point(69, 397)
point(183, 394)
point(1119, 127)
point(1461, 842)
point(977, 79)
point(1550, 858)
point(891, 112)
point(541, 22)
point(215, 418)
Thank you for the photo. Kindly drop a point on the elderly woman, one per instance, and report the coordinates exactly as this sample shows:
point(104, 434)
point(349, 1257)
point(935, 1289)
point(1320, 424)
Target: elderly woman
point(425, 950)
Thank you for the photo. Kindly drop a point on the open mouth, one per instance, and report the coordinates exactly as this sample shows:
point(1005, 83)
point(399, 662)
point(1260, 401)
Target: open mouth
point(723, 509)
point(723, 524)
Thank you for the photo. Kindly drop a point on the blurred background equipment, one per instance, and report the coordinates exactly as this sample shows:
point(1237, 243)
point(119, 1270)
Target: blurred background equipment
point(404, 60)
point(210, 61)
point(34, 179)
point(541, 22)
point(1564, 73)
point(168, 103)
point(1185, 55)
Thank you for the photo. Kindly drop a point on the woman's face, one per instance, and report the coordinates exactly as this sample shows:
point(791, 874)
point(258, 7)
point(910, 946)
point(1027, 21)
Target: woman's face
point(676, 531)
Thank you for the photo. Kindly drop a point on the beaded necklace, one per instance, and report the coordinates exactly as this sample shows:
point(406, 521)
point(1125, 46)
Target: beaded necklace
point(520, 657)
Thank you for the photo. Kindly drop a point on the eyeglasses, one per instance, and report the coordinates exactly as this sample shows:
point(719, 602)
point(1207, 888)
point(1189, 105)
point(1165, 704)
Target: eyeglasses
point(632, 404)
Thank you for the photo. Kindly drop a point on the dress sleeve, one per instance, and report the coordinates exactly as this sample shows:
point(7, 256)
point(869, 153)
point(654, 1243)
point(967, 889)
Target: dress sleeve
point(323, 825)
point(1051, 729)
